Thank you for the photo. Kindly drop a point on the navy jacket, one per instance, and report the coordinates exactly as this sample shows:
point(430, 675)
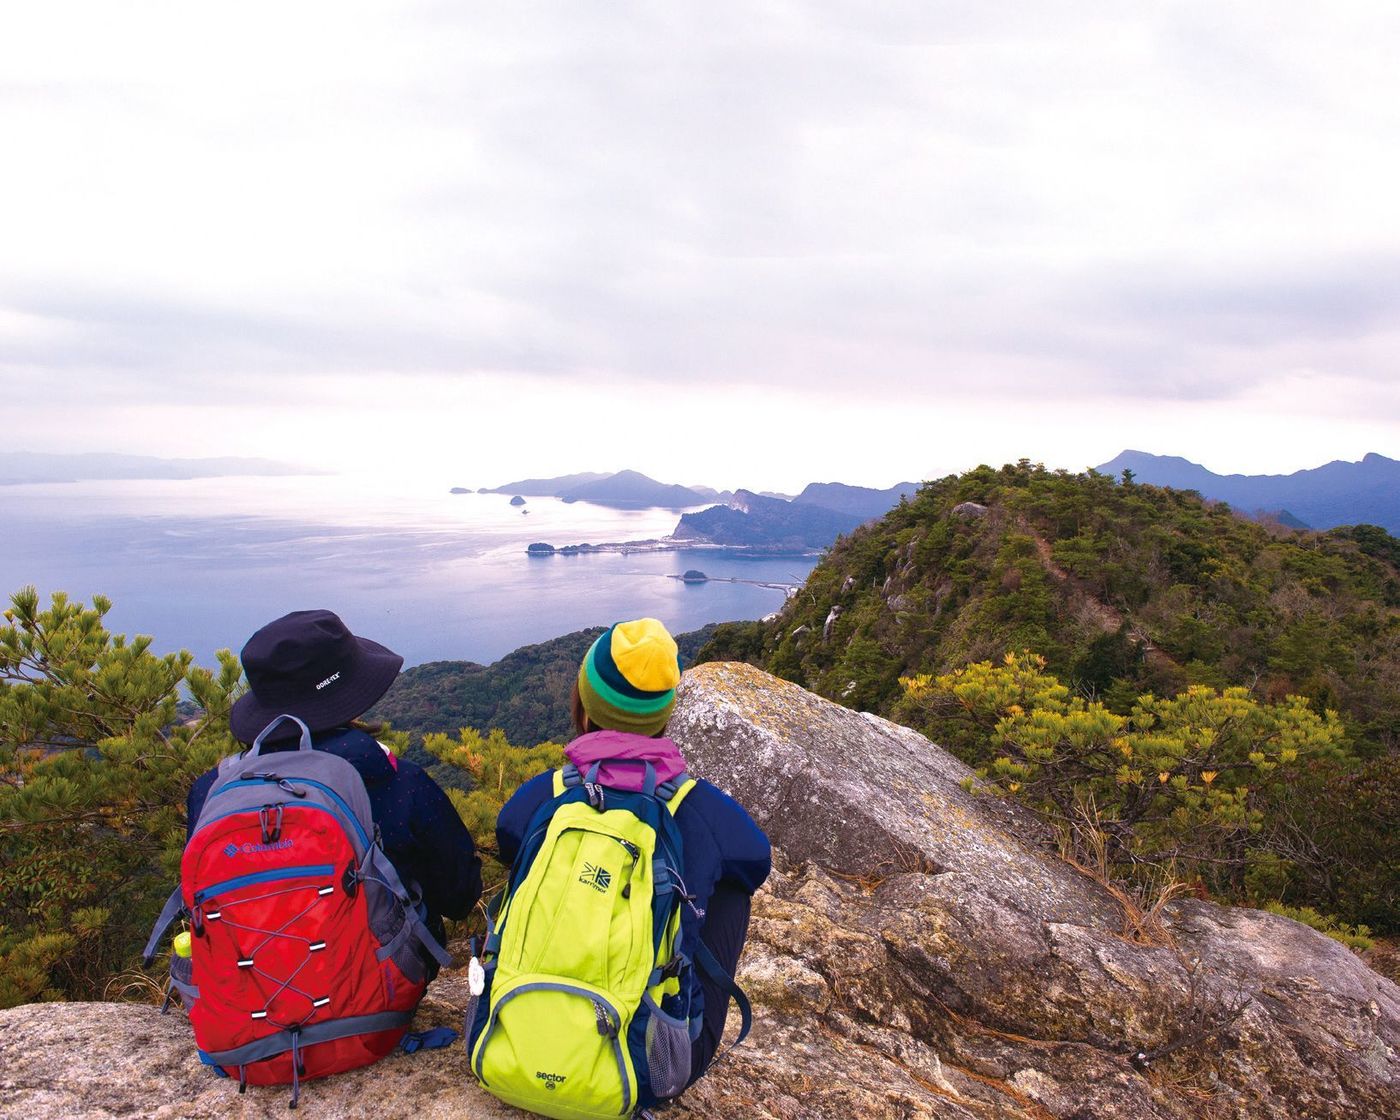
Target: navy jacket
point(423, 836)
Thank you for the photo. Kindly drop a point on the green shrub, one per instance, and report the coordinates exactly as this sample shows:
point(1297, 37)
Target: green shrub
point(1356, 938)
point(95, 762)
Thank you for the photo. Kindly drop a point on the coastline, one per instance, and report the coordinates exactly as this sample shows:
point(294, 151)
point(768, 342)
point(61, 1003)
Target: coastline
point(672, 544)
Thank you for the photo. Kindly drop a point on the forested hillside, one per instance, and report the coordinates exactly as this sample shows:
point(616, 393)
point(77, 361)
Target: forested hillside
point(1122, 588)
point(525, 694)
point(1127, 591)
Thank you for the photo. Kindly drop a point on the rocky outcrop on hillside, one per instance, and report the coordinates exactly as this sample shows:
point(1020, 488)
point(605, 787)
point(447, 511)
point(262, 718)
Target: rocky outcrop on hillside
point(932, 931)
point(918, 952)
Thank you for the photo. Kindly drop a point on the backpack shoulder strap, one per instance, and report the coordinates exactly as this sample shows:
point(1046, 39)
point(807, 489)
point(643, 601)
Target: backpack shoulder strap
point(228, 762)
point(674, 801)
point(715, 971)
point(560, 785)
point(174, 907)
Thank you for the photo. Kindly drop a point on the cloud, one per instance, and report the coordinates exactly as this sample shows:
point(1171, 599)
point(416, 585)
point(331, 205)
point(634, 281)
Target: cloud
point(932, 201)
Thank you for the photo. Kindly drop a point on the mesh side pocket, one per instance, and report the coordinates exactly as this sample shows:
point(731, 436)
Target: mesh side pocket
point(182, 979)
point(668, 1052)
point(389, 919)
point(402, 949)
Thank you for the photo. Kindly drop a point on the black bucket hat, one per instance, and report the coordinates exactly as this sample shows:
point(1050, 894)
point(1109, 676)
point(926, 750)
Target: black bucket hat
point(307, 664)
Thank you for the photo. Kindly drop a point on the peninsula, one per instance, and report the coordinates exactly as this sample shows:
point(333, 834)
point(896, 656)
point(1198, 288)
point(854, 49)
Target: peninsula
point(755, 524)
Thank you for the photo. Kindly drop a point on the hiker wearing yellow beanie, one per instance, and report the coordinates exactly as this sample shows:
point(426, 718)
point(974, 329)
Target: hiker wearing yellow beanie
point(628, 678)
point(623, 697)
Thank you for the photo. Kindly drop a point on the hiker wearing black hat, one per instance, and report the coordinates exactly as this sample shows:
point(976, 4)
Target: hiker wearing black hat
point(309, 665)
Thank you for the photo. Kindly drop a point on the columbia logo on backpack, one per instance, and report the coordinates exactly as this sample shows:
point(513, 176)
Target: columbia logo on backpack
point(305, 948)
point(586, 975)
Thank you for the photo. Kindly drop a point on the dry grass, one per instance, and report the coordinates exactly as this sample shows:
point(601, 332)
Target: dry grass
point(904, 860)
point(133, 986)
point(1084, 845)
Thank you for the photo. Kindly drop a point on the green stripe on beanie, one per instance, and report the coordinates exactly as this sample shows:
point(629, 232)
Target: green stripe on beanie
point(618, 699)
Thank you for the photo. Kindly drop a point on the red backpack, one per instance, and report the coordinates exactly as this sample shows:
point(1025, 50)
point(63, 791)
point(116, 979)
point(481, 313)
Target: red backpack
point(305, 945)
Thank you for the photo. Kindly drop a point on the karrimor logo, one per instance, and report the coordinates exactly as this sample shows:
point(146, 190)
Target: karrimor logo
point(599, 878)
point(232, 850)
point(551, 1080)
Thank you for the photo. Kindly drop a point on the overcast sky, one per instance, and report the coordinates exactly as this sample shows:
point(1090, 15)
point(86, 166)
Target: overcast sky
point(723, 243)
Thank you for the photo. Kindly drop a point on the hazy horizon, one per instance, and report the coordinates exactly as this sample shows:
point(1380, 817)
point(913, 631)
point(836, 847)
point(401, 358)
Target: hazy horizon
point(397, 481)
point(744, 244)
point(201, 563)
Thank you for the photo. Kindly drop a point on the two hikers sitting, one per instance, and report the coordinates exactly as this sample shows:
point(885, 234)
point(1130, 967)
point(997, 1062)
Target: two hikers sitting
point(319, 869)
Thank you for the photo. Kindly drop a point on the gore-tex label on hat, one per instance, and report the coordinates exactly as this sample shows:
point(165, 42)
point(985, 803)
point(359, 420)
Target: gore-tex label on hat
point(329, 680)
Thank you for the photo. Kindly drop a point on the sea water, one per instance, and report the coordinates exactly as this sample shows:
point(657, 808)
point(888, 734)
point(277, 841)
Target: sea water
point(200, 564)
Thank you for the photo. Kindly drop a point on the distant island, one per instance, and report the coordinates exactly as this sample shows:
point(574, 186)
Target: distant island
point(811, 521)
point(766, 524)
point(634, 490)
point(24, 467)
point(624, 489)
point(754, 524)
point(751, 519)
point(668, 544)
point(1337, 493)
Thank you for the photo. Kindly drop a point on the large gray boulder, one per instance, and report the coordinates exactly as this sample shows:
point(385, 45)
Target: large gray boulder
point(919, 952)
point(935, 932)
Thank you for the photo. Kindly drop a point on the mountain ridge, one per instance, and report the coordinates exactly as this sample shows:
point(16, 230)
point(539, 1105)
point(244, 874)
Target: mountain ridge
point(632, 488)
point(1020, 556)
point(1337, 493)
point(525, 694)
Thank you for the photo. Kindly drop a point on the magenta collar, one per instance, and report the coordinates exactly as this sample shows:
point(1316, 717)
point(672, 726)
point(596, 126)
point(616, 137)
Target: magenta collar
point(623, 746)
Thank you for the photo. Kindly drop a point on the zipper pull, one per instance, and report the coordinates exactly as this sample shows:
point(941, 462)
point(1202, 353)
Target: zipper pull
point(636, 854)
point(605, 1023)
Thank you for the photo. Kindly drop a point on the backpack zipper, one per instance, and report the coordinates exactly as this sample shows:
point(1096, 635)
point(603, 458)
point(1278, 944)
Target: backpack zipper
point(636, 854)
point(607, 1017)
point(308, 871)
point(253, 809)
point(263, 779)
